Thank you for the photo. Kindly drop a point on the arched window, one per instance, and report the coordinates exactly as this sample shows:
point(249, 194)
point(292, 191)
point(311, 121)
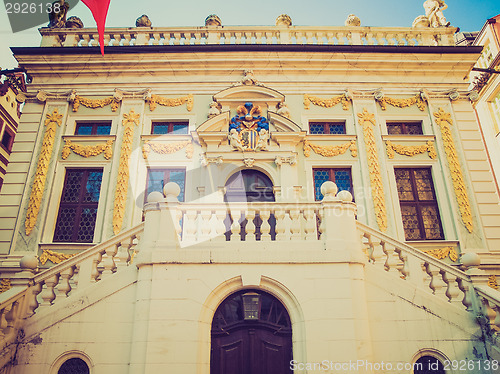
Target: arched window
point(74, 365)
point(428, 365)
point(249, 185)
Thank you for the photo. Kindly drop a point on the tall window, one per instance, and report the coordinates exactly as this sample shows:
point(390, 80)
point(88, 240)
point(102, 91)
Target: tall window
point(404, 128)
point(93, 128)
point(7, 139)
point(177, 128)
point(336, 128)
point(157, 178)
point(419, 208)
point(78, 209)
point(341, 177)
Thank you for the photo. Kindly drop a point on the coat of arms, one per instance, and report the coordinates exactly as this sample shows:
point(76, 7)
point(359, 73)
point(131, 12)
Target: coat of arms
point(248, 130)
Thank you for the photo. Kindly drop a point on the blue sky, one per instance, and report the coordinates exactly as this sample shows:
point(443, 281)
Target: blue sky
point(469, 15)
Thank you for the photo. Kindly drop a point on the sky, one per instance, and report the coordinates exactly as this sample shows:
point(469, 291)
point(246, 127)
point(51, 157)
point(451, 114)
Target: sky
point(468, 15)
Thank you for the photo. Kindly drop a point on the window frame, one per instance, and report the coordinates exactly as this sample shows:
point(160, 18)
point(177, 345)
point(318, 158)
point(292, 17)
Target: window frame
point(12, 134)
point(164, 169)
point(171, 124)
point(404, 127)
point(331, 177)
point(95, 125)
point(326, 126)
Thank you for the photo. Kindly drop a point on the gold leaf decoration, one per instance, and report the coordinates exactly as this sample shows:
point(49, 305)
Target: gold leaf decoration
point(156, 99)
point(165, 149)
point(88, 150)
point(444, 121)
point(5, 285)
point(402, 103)
point(53, 120)
point(95, 103)
point(326, 103)
point(367, 120)
point(54, 257)
point(410, 150)
point(442, 253)
point(129, 121)
point(330, 151)
point(492, 282)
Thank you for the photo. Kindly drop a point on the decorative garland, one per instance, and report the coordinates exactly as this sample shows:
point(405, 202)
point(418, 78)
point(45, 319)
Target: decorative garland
point(410, 150)
point(367, 120)
point(53, 120)
point(156, 99)
point(442, 253)
point(165, 149)
point(5, 285)
point(54, 257)
point(330, 151)
point(402, 103)
point(444, 121)
point(326, 103)
point(88, 150)
point(129, 121)
point(95, 103)
point(492, 282)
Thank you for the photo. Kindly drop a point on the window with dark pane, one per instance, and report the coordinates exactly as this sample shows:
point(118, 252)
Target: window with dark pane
point(428, 365)
point(74, 366)
point(78, 208)
point(157, 178)
point(93, 128)
point(176, 128)
point(7, 139)
point(404, 128)
point(419, 208)
point(335, 128)
point(341, 177)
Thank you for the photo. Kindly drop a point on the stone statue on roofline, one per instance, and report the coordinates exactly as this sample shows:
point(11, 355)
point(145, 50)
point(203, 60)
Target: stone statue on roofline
point(433, 15)
point(57, 15)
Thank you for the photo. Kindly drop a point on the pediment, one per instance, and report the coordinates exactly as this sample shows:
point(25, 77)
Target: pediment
point(219, 123)
point(282, 124)
point(257, 94)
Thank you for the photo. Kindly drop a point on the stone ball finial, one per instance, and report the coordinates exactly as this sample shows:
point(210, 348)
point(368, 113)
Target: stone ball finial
point(470, 259)
point(283, 20)
point(155, 197)
point(171, 190)
point(143, 21)
point(352, 20)
point(345, 196)
point(29, 262)
point(213, 20)
point(74, 22)
point(329, 190)
point(421, 22)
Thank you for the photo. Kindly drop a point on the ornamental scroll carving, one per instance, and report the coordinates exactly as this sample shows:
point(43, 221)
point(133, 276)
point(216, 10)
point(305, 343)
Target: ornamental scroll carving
point(130, 120)
point(326, 103)
point(88, 150)
point(367, 121)
point(95, 103)
point(165, 149)
point(5, 285)
point(54, 257)
point(402, 103)
point(330, 151)
point(164, 101)
point(53, 120)
point(410, 150)
point(444, 121)
point(442, 253)
point(492, 282)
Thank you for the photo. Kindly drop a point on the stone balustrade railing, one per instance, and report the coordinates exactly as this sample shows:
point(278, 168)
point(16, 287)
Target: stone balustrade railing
point(299, 35)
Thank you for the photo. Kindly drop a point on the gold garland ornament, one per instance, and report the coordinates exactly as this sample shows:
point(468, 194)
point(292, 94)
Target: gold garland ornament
point(166, 149)
point(95, 103)
point(54, 257)
point(88, 150)
point(492, 282)
point(330, 151)
point(444, 121)
point(53, 120)
point(402, 103)
point(410, 150)
point(5, 285)
point(156, 99)
point(129, 121)
point(367, 120)
point(442, 253)
point(326, 103)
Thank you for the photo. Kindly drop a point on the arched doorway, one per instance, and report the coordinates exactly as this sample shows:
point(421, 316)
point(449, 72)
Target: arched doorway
point(251, 334)
point(249, 185)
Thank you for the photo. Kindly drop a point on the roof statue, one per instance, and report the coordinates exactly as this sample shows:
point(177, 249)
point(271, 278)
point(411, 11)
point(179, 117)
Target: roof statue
point(433, 15)
point(74, 22)
point(57, 16)
point(352, 20)
point(143, 21)
point(213, 20)
point(284, 20)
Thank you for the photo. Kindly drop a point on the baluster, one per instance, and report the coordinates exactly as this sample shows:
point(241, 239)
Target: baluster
point(269, 37)
point(436, 284)
point(48, 295)
point(405, 268)
point(95, 274)
point(109, 261)
point(177, 222)
point(488, 312)
point(496, 322)
point(32, 300)
point(206, 228)
point(177, 38)
point(258, 38)
point(86, 40)
point(250, 226)
point(123, 254)
point(467, 300)
point(220, 227)
point(340, 38)
point(452, 290)
point(190, 225)
point(377, 254)
point(235, 225)
point(321, 224)
point(309, 224)
point(390, 262)
point(237, 37)
point(3, 321)
point(197, 37)
point(279, 214)
point(295, 224)
point(63, 288)
point(265, 228)
point(11, 317)
point(126, 38)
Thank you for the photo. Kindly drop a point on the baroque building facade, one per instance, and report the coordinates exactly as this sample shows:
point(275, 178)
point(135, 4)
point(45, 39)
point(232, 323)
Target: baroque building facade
point(249, 200)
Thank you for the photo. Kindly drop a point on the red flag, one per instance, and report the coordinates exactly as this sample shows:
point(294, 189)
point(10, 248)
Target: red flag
point(99, 9)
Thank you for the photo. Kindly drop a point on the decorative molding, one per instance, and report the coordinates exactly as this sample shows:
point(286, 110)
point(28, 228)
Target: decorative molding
point(157, 99)
point(88, 150)
point(54, 257)
point(280, 160)
point(442, 253)
point(204, 160)
point(53, 120)
point(492, 282)
point(165, 149)
point(95, 103)
point(5, 285)
point(248, 162)
point(444, 121)
point(401, 103)
point(129, 121)
point(367, 120)
point(327, 103)
point(331, 150)
point(410, 150)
